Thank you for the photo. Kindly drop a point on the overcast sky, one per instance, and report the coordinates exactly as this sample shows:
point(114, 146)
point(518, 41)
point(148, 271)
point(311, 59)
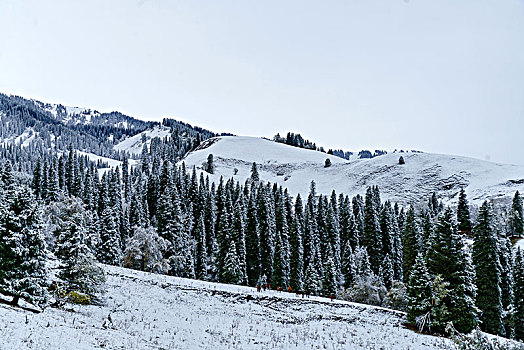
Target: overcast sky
point(438, 76)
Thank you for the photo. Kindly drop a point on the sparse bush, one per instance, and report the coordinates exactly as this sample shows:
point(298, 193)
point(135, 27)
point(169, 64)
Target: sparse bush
point(75, 297)
point(396, 297)
point(368, 289)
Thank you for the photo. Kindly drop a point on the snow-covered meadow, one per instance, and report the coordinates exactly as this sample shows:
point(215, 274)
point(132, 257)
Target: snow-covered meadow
point(147, 311)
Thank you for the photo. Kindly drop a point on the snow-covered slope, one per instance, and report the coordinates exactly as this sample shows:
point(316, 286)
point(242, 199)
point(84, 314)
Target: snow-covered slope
point(134, 144)
point(160, 312)
point(422, 173)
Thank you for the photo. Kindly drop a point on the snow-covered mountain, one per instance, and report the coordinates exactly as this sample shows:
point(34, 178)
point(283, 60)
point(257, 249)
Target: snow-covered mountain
point(148, 311)
point(413, 182)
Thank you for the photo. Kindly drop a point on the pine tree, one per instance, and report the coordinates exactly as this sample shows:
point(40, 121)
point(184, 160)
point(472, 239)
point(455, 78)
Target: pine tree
point(296, 242)
point(79, 272)
point(280, 275)
point(349, 269)
point(446, 259)
point(386, 272)
point(201, 260)
point(255, 177)
point(516, 216)
point(312, 280)
point(410, 243)
point(419, 291)
point(52, 183)
point(506, 283)
point(252, 242)
point(329, 282)
point(239, 236)
point(231, 271)
point(23, 252)
point(464, 222)
point(267, 229)
point(488, 270)
point(518, 287)
point(210, 164)
point(37, 177)
point(109, 251)
point(372, 236)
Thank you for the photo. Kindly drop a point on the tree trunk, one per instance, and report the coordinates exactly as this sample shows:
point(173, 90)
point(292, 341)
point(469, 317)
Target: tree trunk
point(15, 300)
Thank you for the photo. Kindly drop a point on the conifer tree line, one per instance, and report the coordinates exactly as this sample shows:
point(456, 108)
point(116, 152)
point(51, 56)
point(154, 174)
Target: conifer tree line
point(159, 217)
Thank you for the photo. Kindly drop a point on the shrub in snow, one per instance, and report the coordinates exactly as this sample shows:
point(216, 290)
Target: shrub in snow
point(144, 251)
point(396, 297)
point(327, 163)
point(401, 161)
point(368, 289)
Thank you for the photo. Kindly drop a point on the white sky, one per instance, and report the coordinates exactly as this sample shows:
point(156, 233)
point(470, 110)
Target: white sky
point(442, 76)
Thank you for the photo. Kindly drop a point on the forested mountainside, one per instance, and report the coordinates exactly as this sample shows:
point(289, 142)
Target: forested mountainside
point(449, 268)
point(30, 129)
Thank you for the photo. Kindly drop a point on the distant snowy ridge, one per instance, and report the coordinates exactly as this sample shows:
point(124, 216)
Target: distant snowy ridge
point(423, 173)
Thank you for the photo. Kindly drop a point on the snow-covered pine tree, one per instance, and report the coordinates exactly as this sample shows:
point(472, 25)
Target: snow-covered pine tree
point(419, 293)
point(410, 242)
point(280, 275)
point(349, 269)
point(386, 272)
point(333, 233)
point(79, 270)
point(201, 260)
point(52, 182)
point(109, 251)
point(238, 234)
point(463, 217)
point(231, 272)
point(223, 234)
point(516, 216)
point(23, 252)
point(506, 283)
point(296, 242)
point(488, 270)
point(372, 236)
point(446, 258)
point(210, 164)
point(252, 241)
point(255, 177)
point(267, 229)
point(37, 177)
point(518, 288)
point(312, 279)
point(386, 228)
point(330, 279)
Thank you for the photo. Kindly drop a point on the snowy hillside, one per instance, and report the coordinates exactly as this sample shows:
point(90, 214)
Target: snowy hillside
point(134, 144)
point(423, 173)
point(160, 312)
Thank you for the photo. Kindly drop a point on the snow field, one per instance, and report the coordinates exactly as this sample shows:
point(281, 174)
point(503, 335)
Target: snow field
point(423, 173)
point(160, 312)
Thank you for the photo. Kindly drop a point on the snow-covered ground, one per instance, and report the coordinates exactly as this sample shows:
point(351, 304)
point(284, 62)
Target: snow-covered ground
point(134, 144)
point(422, 173)
point(159, 312)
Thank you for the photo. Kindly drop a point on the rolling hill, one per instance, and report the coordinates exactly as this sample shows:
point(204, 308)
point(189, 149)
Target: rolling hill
point(423, 173)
